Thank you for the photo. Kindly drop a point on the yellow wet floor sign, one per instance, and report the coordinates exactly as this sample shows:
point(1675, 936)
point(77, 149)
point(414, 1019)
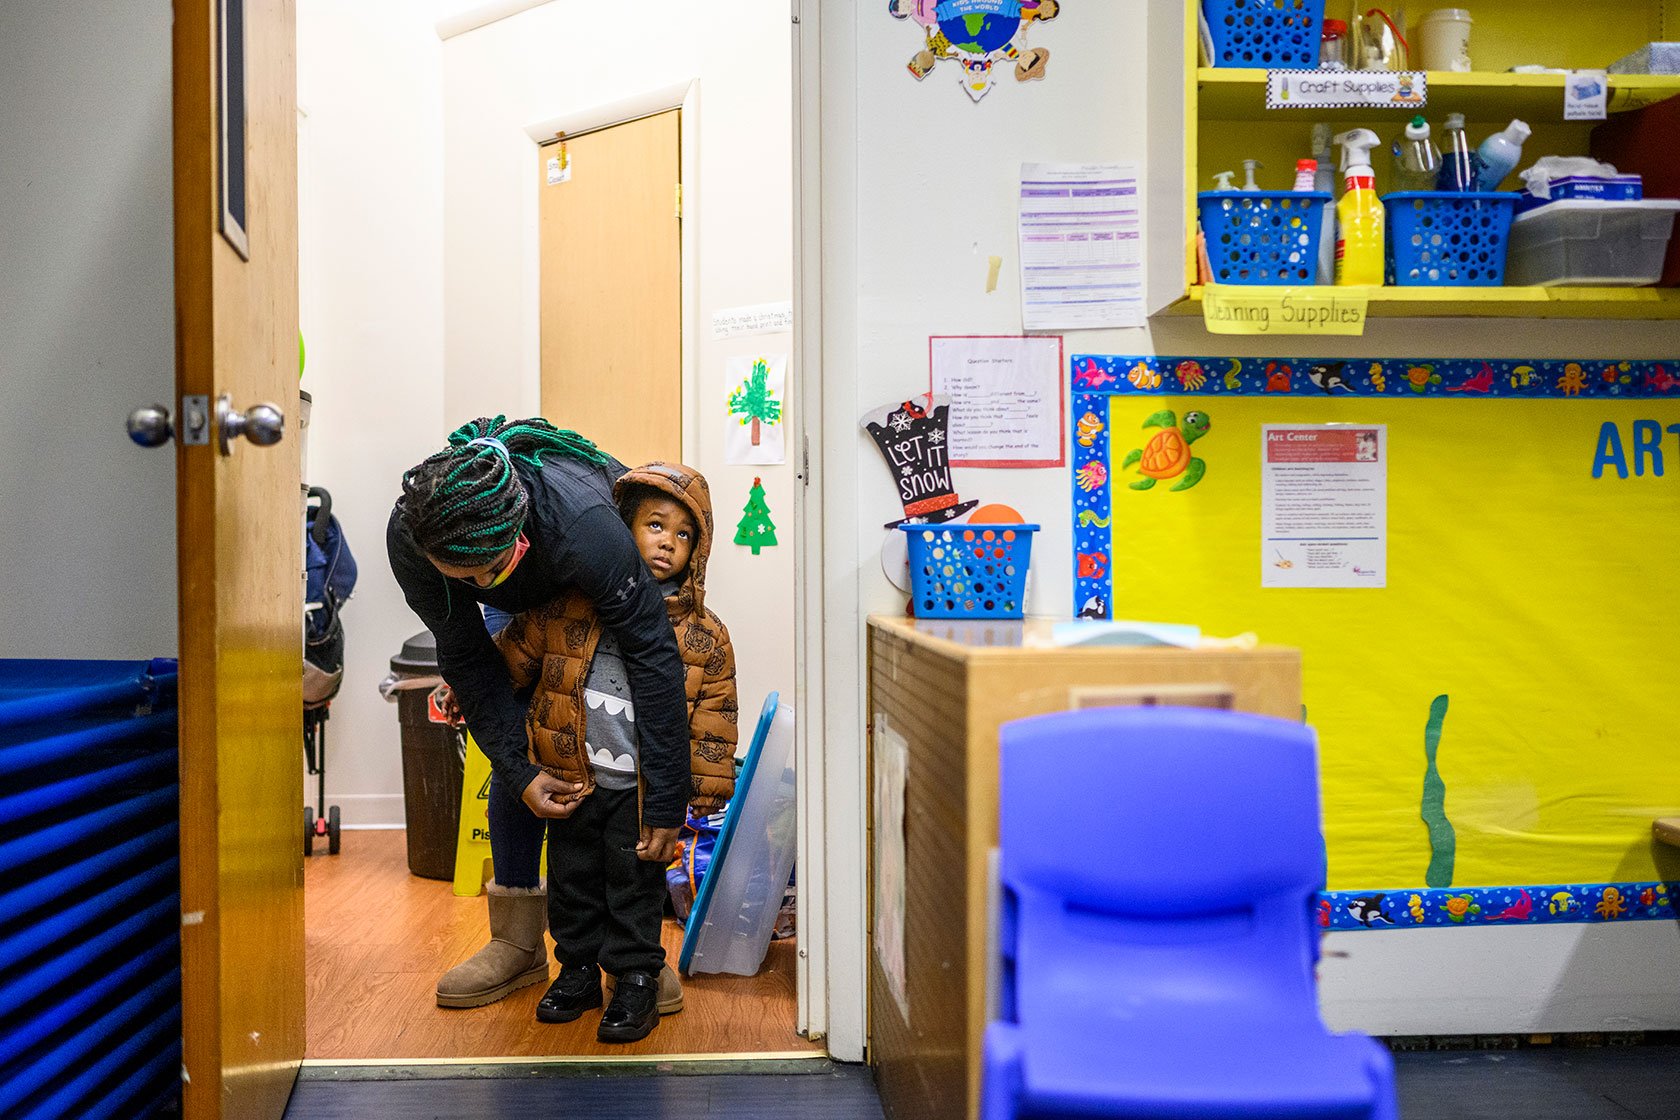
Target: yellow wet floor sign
point(472, 842)
point(472, 839)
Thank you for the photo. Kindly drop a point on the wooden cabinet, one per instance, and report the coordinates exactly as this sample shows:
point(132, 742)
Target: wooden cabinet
point(937, 693)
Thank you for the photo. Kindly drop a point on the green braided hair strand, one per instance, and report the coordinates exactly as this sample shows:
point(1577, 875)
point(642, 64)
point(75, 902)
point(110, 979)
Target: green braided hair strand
point(466, 505)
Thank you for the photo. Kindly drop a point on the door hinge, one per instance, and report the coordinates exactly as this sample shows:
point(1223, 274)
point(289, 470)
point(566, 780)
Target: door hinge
point(679, 202)
point(805, 459)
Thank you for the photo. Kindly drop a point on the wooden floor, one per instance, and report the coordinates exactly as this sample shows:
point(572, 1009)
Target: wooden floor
point(378, 938)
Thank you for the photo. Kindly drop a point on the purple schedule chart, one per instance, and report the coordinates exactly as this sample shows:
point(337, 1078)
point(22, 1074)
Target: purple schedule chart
point(1081, 255)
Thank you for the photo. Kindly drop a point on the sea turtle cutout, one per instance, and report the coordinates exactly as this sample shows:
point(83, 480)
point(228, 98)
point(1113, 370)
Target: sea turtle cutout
point(1167, 454)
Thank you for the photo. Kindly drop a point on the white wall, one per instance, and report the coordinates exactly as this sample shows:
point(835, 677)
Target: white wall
point(918, 189)
point(370, 256)
point(572, 55)
point(87, 329)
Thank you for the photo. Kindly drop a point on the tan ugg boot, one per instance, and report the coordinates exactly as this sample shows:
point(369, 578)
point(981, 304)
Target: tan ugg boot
point(670, 990)
point(515, 957)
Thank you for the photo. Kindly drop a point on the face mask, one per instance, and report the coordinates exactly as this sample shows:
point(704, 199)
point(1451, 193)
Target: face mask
point(519, 547)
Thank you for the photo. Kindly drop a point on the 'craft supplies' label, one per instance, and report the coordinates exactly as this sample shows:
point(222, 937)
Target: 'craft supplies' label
point(1346, 89)
point(1233, 309)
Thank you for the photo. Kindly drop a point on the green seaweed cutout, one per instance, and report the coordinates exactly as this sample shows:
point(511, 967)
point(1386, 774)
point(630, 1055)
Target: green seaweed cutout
point(1443, 841)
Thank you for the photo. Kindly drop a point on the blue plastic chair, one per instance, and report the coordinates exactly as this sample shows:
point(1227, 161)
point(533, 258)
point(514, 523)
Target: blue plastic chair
point(1158, 868)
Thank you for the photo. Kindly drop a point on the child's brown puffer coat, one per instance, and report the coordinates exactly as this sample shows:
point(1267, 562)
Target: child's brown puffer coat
point(555, 644)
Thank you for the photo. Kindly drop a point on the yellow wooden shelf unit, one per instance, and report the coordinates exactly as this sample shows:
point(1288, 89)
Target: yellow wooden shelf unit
point(1226, 121)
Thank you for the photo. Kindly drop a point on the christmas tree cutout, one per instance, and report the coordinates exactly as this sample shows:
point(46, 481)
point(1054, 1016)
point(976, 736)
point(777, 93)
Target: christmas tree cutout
point(754, 401)
point(755, 529)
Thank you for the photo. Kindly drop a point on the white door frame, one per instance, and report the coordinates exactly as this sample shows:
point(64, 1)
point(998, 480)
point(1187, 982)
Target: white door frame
point(830, 752)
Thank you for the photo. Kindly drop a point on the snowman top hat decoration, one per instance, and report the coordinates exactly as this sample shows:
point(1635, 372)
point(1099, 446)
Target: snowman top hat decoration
point(914, 440)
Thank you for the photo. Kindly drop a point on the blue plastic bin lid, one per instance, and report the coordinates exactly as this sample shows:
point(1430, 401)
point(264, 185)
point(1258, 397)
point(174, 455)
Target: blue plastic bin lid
point(702, 901)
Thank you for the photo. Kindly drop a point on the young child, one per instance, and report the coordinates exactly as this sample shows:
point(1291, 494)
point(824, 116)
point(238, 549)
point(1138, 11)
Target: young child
point(606, 877)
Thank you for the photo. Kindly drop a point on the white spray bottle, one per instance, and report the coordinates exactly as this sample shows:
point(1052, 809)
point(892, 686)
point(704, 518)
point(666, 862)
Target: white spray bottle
point(1324, 179)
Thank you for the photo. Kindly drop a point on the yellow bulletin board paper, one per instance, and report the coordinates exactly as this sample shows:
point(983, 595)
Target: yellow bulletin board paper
point(1526, 629)
point(1235, 309)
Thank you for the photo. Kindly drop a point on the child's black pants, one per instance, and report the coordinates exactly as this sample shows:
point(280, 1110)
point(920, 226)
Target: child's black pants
point(604, 905)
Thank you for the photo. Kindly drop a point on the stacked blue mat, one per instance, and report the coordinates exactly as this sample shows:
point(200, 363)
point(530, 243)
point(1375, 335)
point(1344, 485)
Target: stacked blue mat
point(90, 913)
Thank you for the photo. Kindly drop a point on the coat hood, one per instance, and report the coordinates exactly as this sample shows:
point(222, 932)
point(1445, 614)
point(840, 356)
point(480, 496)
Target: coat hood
point(688, 486)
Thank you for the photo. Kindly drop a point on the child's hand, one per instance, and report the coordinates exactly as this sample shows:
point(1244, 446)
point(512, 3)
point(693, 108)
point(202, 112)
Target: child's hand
point(547, 796)
point(659, 845)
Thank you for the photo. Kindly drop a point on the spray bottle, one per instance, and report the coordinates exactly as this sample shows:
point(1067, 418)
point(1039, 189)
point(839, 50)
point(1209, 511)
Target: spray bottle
point(1324, 179)
point(1360, 240)
point(1417, 161)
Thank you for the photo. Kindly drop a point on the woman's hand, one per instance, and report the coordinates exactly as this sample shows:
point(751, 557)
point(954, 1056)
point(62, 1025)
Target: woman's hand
point(659, 845)
point(548, 796)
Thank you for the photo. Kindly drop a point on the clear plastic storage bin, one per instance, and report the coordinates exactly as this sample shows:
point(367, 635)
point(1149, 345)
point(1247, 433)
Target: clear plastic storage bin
point(1589, 243)
point(735, 912)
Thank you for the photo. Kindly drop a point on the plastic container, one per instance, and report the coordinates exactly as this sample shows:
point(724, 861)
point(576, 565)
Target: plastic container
point(1444, 40)
point(1644, 141)
point(1582, 243)
point(1263, 237)
point(1417, 161)
point(1275, 34)
point(432, 758)
point(1332, 49)
point(968, 570)
point(1458, 162)
point(1455, 240)
point(1499, 155)
point(1360, 221)
point(735, 912)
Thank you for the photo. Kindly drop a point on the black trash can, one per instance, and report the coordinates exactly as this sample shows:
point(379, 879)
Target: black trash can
point(432, 765)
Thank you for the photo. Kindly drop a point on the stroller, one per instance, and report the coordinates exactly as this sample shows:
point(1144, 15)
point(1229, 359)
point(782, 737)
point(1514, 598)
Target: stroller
point(329, 578)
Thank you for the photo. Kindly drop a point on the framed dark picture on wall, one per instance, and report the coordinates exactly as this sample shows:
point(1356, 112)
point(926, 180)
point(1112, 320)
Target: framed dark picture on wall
point(230, 117)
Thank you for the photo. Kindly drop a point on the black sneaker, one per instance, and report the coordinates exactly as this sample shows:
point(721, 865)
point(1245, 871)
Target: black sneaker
point(573, 992)
point(634, 1010)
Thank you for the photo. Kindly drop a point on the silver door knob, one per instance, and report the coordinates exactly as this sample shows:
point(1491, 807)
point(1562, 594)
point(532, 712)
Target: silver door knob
point(150, 425)
point(262, 424)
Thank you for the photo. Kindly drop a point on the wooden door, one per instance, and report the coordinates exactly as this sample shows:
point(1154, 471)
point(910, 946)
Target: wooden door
point(239, 526)
point(612, 288)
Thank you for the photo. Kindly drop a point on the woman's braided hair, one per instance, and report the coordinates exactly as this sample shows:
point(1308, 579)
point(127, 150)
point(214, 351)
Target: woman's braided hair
point(465, 505)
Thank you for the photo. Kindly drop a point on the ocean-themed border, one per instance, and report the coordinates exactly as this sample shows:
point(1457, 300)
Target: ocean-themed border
point(1405, 378)
point(1095, 377)
point(1558, 904)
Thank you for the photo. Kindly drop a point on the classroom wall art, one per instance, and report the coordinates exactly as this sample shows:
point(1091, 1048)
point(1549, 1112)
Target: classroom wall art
point(982, 37)
point(757, 400)
point(1495, 727)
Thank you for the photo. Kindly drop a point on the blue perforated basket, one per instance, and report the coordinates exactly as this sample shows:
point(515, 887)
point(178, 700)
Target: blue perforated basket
point(1263, 237)
point(1448, 238)
point(1271, 34)
point(969, 571)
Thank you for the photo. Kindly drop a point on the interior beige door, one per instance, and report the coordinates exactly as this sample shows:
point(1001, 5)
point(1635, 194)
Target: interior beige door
point(612, 288)
point(239, 526)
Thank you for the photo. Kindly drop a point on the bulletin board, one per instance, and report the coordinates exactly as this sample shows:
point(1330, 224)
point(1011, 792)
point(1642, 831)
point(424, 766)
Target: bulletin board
point(1497, 725)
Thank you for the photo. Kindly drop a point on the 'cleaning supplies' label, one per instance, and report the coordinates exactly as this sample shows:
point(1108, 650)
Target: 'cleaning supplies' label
point(1346, 89)
point(1235, 309)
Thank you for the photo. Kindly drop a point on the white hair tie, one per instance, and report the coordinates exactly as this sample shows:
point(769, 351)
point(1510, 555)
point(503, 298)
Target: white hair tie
point(492, 441)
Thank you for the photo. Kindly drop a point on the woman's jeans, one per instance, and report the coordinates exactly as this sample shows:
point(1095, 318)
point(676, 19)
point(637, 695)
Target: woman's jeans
point(516, 833)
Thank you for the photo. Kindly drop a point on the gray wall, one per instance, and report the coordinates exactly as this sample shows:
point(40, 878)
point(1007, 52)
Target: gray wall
point(87, 320)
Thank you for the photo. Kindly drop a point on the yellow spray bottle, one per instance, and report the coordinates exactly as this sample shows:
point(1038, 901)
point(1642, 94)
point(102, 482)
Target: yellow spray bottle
point(1361, 222)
